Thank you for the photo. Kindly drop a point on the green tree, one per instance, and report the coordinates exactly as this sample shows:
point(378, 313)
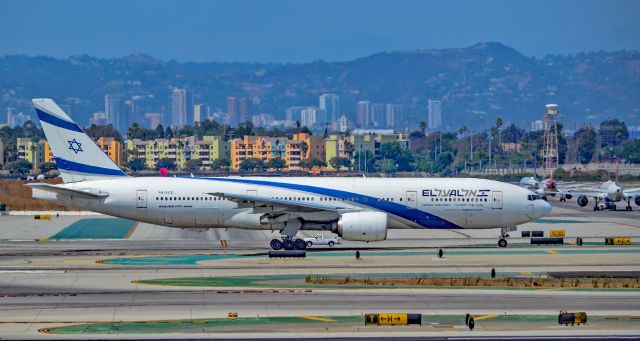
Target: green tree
point(630, 151)
point(386, 166)
point(402, 158)
point(135, 164)
point(167, 163)
point(47, 166)
point(586, 142)
point(221, 163)
point(304, 147)
point(276, 163)
point(19, 167)
point(193, 164)
point(339, 162)
point(423, 126)
point(367, 161)
point(251, 164)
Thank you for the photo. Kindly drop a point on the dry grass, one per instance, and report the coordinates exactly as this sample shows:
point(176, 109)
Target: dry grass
point(17, 196)
point(538, 282)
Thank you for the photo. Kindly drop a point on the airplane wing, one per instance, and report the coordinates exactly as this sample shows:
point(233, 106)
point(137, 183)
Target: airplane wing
point(632, 192)
point(267, 204)
point(85, 194)
point(599, 195)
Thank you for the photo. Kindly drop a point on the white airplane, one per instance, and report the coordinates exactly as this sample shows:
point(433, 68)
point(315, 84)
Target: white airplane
point(609, 192)
point(357, 209)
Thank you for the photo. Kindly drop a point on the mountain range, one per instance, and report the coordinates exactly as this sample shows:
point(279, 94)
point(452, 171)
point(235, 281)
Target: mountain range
point(476, 84)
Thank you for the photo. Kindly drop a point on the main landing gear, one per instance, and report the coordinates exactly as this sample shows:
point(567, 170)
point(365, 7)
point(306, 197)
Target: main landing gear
point(628, 208)
point(288, 243)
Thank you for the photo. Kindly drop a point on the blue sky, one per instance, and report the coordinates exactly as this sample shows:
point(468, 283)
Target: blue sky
point(300, 31)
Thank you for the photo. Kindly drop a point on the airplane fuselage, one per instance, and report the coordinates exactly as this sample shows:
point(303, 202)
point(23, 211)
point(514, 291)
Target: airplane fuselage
point(408, 202)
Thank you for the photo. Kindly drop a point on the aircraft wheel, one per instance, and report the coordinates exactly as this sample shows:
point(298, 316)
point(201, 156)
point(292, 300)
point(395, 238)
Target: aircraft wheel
point(502, 242)
point(300, 244)
point(276, 244)
point(309, 244)
point(331, 243)
point(288, 245)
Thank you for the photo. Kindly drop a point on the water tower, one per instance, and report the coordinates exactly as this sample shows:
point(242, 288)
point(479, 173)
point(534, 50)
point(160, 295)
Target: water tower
point(550, 147)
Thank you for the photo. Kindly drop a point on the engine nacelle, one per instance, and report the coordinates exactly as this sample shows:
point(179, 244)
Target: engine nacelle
point(568, 196)
point(363, 226)
point(637, 200)
point(583, 201)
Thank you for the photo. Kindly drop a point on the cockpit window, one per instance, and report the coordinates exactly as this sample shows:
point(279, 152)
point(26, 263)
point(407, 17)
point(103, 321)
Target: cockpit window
point(532, 197)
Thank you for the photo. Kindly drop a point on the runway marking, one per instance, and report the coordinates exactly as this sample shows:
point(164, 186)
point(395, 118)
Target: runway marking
point(484, 317)
point(552, 252)
point(133, 228)
point(627, 224)
point(315, 318)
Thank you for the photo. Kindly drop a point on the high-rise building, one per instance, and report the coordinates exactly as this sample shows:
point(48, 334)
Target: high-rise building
point(114, 112)
point(292, 115)
point(98, 118)
point(390, 116)
point(435, 115)
point(308, 116)
point(200, 112)
point(343, 124)
point(232, 111)
point(377, 115)
point(154, 119)
point(330, 106)
point(179, 107)
point(363, 114)
point(19, 119)
point(10, 113)
point(244, 108)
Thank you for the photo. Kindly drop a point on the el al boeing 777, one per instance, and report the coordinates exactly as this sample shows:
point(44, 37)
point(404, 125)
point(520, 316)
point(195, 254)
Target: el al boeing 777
point(358, 209)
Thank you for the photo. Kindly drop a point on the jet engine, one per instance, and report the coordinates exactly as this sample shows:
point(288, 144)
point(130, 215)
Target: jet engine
point(637, 200)
point(362, 226)
point(583, 201)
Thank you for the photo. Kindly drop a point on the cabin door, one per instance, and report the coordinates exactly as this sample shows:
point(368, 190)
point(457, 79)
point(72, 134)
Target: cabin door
point(141, 198)
point(496, 200)
point(412, 199)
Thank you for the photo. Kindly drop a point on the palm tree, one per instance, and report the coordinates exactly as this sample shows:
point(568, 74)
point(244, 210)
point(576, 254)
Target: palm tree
point(462, 130)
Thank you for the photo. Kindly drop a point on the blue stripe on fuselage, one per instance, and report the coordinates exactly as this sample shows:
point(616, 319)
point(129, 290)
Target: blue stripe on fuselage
point(83, 168)
point(58, 122)
point(422, 218)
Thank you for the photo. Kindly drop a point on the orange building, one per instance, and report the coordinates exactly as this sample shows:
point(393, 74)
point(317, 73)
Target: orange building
point(258, 147)
point(112, 148)
point(315, 146)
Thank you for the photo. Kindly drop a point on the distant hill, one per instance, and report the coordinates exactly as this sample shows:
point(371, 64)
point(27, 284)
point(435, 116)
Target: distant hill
point(476, 84)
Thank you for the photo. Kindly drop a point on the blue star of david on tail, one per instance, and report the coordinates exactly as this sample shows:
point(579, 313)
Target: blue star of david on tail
point(75, 146)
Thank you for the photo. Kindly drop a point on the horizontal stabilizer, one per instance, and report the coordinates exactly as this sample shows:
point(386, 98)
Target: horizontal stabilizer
point(85, 194)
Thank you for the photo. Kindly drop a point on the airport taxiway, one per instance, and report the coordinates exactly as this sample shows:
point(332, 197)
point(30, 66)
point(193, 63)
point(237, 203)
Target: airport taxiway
point(47, 283)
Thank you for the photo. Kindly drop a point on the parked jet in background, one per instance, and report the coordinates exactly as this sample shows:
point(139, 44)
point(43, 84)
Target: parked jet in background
point(359, 209)
point(607, 194)
point(546, 187)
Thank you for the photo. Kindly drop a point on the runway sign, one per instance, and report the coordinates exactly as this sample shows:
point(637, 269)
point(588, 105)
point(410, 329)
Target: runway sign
point(617, 241)
point(392, 319)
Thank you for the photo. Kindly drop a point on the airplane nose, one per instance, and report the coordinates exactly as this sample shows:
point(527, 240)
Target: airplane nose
point(541, 208)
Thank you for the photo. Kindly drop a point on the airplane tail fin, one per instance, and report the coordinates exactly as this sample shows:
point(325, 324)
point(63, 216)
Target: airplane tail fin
point(78, 158)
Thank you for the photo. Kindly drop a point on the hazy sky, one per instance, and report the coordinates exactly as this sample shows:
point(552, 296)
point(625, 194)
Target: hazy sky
point(299, 31)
